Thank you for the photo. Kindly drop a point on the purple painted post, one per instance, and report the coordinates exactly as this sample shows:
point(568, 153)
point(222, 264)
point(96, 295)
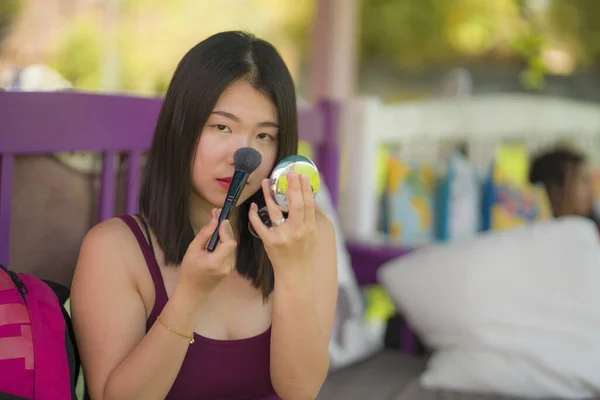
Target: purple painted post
point(6, 177)
point(366, 261)
point(49, 122)
point(106, 206)
point(328, 154)
point(134, 160)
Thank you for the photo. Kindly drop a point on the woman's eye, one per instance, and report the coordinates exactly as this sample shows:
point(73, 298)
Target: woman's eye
point(222, 128)
point(265, 136)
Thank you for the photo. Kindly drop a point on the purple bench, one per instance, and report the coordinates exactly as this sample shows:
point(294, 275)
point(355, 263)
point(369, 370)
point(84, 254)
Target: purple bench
point(122, 126)
point(49, 122)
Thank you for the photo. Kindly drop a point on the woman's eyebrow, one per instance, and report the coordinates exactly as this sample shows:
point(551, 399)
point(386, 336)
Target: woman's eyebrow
point(235, 118)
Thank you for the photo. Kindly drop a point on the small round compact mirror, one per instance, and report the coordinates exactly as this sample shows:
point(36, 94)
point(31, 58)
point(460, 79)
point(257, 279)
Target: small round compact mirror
point(279, 184)
point(298, 164)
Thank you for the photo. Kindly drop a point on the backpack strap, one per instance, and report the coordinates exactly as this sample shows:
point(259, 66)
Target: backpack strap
point(63, 294)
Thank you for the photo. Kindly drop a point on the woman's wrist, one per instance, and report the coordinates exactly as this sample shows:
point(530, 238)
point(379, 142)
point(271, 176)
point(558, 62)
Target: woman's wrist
point(187, 297)
point(293, 274)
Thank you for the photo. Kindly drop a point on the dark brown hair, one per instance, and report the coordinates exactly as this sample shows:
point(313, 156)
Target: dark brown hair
point(552, 169)
point(198, 82)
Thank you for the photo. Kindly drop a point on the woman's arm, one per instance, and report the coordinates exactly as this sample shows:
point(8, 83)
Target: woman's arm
point(303, 310)
point(119, 359)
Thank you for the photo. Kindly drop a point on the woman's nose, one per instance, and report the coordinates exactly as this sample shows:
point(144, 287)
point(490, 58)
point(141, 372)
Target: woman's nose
point(238, 144)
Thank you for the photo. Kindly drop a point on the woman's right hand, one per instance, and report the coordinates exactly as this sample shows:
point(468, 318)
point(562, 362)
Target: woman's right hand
point(201, 270)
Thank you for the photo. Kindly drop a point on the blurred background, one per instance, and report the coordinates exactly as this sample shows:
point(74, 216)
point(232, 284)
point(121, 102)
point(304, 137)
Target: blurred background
point(383, 60)
point(403, 48)
point(444, 105)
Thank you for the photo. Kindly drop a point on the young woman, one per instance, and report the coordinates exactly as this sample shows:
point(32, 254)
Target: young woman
point(567, 179)
point(157, 316)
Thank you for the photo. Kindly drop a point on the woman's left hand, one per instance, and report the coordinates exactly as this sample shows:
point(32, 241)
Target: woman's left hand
point(290, 242)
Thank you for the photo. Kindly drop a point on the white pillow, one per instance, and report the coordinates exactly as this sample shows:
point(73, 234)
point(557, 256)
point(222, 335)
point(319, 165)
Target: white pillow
point(514, 313)
point(351, 339)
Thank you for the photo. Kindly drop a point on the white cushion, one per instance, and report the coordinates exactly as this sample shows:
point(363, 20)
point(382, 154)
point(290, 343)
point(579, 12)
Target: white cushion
point(513, 313)
point(351, 339)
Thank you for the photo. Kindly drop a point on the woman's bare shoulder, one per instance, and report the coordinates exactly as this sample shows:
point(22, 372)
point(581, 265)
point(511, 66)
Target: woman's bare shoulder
point(110, 231)
point(109, 244)
point(109, 314)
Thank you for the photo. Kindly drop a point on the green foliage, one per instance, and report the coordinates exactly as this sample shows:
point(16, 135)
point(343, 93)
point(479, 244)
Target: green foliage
point(78, 55)
point(576, 24)
point(408, 32)
point(9, 10)
point(153, 35)
point(415, 32)
point(529, 45)
point(412, 33)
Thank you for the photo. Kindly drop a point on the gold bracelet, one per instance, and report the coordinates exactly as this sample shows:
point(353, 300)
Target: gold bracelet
point(190, 337)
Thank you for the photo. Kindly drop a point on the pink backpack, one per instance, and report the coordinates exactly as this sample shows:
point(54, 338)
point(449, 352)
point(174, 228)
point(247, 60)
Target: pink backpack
point(37, 355)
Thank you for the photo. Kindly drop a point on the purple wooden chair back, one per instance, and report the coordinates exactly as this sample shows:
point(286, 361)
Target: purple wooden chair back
point(49, 122)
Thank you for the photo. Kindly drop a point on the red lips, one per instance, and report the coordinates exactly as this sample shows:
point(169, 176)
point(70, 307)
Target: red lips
point(224, 182)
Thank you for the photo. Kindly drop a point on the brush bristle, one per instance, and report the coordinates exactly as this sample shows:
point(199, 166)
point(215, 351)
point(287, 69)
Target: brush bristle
point(246, 159)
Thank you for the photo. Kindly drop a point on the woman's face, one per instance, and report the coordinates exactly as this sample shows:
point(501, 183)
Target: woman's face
point(242, 117)
point(578, 191)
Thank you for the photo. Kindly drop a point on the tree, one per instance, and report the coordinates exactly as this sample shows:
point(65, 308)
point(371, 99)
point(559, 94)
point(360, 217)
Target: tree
point(9, 9)
point(412, 33)
point(576, 25)
point(153, 35)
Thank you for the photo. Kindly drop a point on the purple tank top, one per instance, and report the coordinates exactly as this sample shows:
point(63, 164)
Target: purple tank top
point(212, 369)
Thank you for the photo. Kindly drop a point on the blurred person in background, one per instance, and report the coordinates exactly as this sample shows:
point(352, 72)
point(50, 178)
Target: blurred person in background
point(567, 177)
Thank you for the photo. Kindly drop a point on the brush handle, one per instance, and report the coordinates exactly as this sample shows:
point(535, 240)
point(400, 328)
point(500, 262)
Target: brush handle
point(233, 194)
